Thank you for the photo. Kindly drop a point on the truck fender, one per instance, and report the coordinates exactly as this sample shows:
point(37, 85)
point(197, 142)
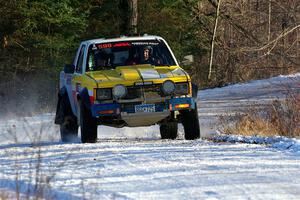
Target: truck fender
point(85, 98)
point(63, 106)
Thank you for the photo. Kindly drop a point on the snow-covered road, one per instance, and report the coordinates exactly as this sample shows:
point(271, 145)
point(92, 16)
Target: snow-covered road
point(155, 169)
point(136, 164)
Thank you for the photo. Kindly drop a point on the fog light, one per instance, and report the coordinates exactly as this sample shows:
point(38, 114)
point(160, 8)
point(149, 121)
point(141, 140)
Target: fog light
point(168, 87)
point(119, 91)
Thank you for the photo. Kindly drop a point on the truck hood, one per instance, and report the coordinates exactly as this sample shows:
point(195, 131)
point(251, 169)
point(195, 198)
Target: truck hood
point(139, 73)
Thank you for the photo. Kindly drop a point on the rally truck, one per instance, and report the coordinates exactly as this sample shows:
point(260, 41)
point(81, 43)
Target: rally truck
point(126, 81)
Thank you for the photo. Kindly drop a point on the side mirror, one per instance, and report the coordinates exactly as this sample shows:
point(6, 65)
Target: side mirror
point(69, 69)
point(187, 60)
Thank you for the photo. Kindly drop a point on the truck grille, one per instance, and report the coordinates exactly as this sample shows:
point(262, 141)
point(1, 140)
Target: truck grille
point(133, 93)
point(149, 91)
point(152, 92)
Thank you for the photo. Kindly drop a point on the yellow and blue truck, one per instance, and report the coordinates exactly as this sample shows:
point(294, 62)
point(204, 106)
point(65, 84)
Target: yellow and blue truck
point(126, 81)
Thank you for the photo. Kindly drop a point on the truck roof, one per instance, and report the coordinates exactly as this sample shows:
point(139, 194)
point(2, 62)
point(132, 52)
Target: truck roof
point(122, 38)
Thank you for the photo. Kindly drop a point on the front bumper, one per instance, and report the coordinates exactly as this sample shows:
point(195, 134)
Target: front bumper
point(123, 109)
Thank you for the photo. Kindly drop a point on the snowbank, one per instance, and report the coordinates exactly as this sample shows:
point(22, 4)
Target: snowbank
point(283, 143)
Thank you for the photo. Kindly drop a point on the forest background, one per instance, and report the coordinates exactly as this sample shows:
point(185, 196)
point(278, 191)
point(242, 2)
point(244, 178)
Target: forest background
point(252, 39)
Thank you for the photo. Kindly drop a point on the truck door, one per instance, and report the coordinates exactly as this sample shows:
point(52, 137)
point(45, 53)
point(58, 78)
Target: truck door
point(77, 78)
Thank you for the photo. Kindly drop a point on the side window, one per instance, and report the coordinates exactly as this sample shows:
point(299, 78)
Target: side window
point(79, 64)
point(90, 62)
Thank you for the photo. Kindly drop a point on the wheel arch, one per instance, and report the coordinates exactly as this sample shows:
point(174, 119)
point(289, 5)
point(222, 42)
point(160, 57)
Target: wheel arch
point(83, 96)
point(63, 106)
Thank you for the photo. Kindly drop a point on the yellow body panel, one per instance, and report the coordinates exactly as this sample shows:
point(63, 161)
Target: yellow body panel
point(129, 75)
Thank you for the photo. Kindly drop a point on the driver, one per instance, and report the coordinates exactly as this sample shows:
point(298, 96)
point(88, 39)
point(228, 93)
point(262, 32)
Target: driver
point(148, 56)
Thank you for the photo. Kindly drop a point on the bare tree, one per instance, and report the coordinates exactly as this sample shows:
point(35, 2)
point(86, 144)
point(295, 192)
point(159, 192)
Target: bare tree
point(253, 39)
point(133, 6)
point(213, 40)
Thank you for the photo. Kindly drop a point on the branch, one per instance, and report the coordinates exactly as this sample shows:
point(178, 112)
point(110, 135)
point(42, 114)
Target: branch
point(237, 26)
point(273, 42)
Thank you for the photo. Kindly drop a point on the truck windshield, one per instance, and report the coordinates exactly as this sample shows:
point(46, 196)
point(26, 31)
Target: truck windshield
point(110, 55)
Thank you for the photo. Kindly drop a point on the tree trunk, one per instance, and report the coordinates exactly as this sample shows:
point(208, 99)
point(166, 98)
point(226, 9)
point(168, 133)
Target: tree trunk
point(213, 40)
point(124, 16)
point(5, 41)
point(133, 6)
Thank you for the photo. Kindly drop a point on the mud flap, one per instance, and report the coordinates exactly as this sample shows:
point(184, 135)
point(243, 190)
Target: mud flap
point(59, 116)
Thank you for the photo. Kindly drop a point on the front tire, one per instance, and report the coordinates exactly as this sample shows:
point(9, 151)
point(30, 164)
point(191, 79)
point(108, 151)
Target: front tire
point(68, 127)
point(190, 122)
point(168, 130)
point(88, 125)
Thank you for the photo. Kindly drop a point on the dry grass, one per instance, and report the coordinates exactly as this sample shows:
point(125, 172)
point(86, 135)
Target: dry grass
point(35, 181)
point(280, 118)
point(4, 195)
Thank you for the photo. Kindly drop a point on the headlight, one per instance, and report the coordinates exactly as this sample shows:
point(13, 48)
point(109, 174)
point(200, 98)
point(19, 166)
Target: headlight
point(182, 88)
point(119, 91)
point(168, 87)
point(103, 94)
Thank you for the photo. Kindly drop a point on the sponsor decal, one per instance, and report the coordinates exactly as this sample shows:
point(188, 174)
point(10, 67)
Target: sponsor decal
point(110, 45)
point(143, 83)
point(94, 47)
point(145, 43)
point(122, 44)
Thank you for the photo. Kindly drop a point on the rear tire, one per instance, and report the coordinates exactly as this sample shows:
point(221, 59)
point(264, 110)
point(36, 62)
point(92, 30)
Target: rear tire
point(168, 130)
point(88, 125)
point(190, 122)
point(68, 127)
